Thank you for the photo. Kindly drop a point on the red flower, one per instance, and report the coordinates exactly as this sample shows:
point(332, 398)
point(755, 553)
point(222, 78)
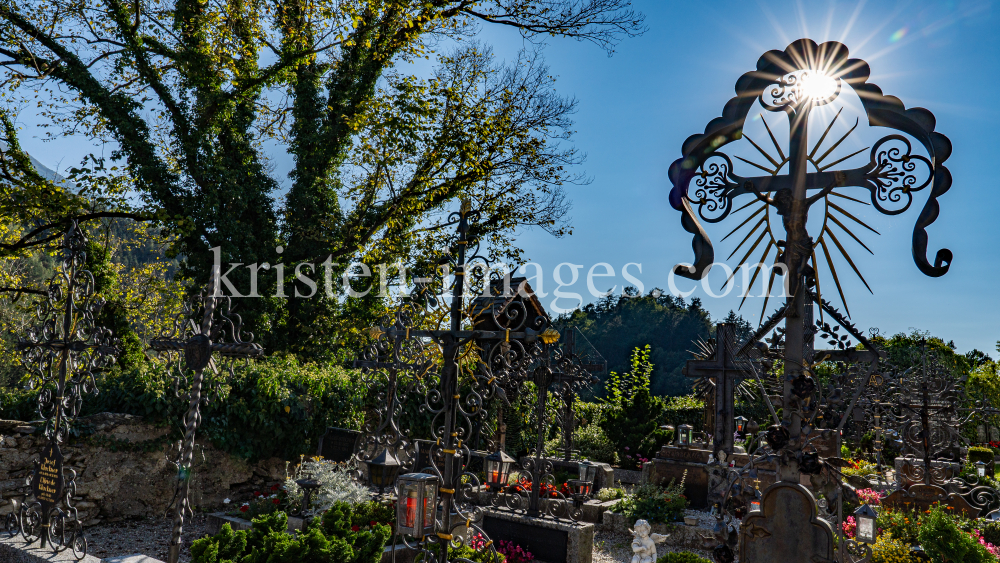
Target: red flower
point(276, 501)
point(244, 508)
point(372, 523)
point(355, 528)
point(274, 487)
point(256, 493)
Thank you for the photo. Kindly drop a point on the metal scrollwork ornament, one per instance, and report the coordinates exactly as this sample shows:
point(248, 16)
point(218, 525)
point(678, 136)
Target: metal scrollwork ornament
point(63, 352)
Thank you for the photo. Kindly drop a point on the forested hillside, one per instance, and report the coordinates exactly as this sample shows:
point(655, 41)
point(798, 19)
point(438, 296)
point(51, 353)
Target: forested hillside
point(616, 325)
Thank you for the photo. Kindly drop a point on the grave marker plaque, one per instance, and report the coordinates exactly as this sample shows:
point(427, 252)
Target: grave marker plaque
point(786, 528)
point(47, 484)
point(338, 444)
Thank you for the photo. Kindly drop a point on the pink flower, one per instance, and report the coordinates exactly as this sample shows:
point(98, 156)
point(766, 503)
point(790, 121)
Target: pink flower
point(849, 526)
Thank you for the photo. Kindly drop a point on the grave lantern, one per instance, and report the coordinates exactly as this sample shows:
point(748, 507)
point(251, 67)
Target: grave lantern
point(981, 468)
point(382, 470)
point(741, 423)
point(417, 504)
point(865, 517)
point(498, 466)
point(684, 435)
point(309, 486)
point(583, 486)
point(755, 505)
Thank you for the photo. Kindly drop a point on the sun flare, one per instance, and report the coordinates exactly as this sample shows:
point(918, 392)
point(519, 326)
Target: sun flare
point(817, 86)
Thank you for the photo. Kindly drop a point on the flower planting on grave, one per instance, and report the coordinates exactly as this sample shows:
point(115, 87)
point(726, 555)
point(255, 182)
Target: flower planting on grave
point(653, 503)
point(332, 538)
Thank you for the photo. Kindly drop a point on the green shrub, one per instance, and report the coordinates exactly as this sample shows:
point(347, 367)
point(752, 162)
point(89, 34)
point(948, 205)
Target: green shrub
point(276, 406)
point(905, 524)
point(633, 412)
point(594, 444)
point(610, 493)
point(682, 557)
point(991, 533)
point(329, 539)
point(945, 542)
point(654, 504)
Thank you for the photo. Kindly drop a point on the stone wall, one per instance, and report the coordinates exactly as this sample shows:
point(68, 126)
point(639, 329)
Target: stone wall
point(124, 468)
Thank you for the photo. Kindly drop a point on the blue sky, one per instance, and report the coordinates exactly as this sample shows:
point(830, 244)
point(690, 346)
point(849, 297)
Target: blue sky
point(638, 106)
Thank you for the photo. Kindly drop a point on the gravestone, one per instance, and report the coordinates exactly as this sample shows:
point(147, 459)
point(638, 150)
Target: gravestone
point(553, 541)
point(786, 529)
point(338, 444)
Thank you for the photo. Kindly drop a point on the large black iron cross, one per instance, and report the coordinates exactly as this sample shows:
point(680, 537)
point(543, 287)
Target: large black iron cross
point(722, 369)
point(198, 350)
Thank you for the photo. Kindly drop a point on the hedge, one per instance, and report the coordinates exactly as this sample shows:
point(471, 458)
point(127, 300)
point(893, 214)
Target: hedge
point(276, 406)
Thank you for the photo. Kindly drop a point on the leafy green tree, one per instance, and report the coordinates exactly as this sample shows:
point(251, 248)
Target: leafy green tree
point(190, 94)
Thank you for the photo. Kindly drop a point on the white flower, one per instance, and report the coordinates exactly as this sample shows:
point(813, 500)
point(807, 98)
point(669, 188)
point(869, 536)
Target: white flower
point(226, 501)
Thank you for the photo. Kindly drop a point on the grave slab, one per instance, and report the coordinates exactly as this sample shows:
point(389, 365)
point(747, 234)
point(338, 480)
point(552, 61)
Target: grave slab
point(551, 541)
point(16, 550)
point(138, 558)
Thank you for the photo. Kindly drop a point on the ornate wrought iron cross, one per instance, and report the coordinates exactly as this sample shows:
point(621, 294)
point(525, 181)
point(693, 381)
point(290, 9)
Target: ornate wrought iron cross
point(62, 354)
point(796, 81)
point(724, 372)
point(590, 360)
point(198, 342)
point(407, 356)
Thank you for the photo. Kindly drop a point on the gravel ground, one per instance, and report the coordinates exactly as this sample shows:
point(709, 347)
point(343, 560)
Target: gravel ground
point(610, 547)
point(148, 537)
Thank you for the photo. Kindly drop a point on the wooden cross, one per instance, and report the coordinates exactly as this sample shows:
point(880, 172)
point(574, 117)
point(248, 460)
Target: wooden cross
point(722, 369)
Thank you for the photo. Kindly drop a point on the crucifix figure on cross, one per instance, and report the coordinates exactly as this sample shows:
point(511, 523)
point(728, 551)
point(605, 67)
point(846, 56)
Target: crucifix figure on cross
point(802, 83)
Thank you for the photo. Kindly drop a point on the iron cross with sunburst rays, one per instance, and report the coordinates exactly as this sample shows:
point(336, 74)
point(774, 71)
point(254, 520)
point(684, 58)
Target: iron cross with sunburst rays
point(772, 209)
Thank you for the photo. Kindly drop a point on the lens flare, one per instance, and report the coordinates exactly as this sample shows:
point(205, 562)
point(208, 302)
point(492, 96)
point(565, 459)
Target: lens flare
point(818, 86)
point(898, 34)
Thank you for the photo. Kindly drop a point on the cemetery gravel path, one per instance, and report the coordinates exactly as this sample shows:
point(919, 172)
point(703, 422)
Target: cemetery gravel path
point(149, 537)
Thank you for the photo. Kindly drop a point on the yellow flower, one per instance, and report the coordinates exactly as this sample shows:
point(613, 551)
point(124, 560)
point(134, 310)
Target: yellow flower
point(890, 550)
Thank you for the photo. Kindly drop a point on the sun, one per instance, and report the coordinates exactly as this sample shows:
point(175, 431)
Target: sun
point(817, 86)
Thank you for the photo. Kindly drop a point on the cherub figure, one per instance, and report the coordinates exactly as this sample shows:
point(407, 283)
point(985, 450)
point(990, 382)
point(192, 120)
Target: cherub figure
point(644, 543)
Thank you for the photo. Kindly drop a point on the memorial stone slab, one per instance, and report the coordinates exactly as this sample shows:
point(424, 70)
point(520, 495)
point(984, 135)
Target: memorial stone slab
point(786, 529)
point(553, 541)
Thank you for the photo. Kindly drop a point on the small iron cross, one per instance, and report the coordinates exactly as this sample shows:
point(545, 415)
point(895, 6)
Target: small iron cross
point(724, 373)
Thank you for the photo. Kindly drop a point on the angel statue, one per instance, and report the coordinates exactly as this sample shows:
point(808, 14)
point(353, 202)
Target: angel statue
point(644, 543)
